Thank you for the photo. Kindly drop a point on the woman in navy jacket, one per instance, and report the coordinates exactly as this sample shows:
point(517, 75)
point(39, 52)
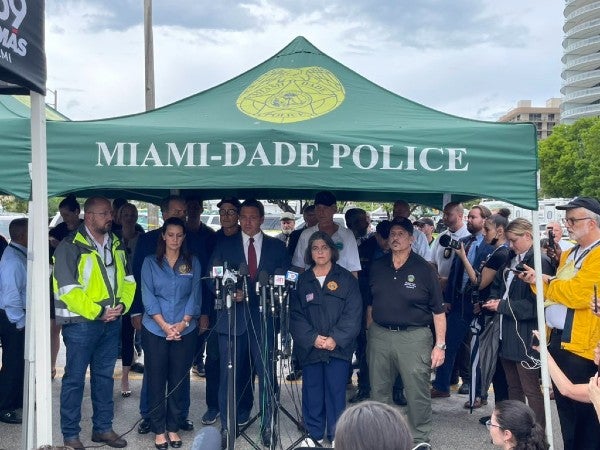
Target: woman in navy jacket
point(325, 316)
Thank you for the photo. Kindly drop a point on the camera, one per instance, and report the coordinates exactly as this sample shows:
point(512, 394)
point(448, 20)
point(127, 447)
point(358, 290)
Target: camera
point(447, 241)
point(519, 268)
point(534, 341)
point(551, 238)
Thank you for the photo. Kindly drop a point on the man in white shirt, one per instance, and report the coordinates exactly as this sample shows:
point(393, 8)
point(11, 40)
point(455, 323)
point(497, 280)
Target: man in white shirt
point(442, 257)
point(326, 207)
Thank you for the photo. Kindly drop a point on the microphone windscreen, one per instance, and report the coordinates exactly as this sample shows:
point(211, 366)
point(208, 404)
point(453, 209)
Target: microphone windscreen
point(445, 240)
point(243, 269)
point(279, 271)
point(263, 278)
point(208, 438)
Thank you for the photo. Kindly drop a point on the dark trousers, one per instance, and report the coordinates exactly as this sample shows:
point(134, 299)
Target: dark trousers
point(127, 335)
point(364, 384)
point(323, 396)
point(211, 367)
point(261, 358)
point(457, 329)
point(167, 363)
point(13, 364)
point(525, 383)
point(578, 421)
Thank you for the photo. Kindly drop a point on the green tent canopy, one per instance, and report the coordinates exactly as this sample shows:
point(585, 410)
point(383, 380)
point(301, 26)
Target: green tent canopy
point(298, 123)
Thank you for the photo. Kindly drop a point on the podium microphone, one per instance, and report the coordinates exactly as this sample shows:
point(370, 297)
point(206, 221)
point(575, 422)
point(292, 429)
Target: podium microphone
point(263, 282)
point(279, 283)
point(216, 274)
point(244, 272)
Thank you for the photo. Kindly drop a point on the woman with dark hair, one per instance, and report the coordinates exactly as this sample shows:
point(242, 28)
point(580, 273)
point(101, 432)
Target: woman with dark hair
point(325, 313)
point(127, 216)
point(513, 425)
point(372, 425)
point(172, 298)
point(479, 284)
point(69, 210)
point(512, 297)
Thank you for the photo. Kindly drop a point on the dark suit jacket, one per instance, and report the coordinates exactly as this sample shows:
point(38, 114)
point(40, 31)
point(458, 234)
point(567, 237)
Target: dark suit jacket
point(273, 255)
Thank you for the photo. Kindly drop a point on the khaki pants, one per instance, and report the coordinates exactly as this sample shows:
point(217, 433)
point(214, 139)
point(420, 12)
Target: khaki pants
point(408, 353)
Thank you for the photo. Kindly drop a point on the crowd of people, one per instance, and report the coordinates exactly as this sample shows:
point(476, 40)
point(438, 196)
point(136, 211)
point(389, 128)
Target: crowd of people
point(401, 301)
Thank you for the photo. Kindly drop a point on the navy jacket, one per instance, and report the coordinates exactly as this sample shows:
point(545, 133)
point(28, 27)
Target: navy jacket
point(273, 255)
point(334, 310)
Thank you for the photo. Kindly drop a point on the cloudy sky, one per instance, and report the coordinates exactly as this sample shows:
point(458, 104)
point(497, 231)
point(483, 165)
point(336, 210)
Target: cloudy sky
point(472, 58)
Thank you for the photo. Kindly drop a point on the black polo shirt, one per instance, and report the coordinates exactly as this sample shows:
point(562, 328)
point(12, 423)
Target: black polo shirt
point(407, 296)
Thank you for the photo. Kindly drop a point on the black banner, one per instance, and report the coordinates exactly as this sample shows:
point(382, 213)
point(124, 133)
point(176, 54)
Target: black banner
point(22, 55)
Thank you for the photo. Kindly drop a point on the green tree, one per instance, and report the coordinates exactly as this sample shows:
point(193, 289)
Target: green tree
point(570, 160)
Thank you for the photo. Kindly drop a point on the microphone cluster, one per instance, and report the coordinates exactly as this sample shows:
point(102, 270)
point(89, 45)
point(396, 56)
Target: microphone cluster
point(272, 289)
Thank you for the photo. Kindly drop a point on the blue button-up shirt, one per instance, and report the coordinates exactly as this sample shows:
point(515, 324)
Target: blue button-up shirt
point(172, 292)
point(13, 283)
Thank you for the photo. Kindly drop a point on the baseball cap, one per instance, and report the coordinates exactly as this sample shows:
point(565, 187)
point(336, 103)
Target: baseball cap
point(231, 200)
point(588, 203)
point(404, 223)
point(287, 216)
point(325, 198)
point(424, 221)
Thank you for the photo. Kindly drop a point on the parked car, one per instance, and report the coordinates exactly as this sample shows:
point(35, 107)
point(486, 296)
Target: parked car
point(5, 220)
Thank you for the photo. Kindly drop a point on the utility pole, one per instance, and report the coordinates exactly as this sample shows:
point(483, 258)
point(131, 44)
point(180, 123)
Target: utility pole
point(149, 87)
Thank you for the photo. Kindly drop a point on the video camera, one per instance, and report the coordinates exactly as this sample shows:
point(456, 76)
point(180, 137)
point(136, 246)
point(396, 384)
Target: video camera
point(447, 241)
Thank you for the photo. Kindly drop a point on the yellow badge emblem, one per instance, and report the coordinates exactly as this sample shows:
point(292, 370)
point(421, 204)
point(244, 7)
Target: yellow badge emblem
point(332, 286)
point(292, 95)
point(184, 268)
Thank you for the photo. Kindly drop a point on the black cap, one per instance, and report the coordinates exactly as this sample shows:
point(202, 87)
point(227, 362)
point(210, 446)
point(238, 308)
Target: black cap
point(325, 198)
point(404, 223)
point(383, 228)
point(424, 221)
point(231, 200)
point(588, 203)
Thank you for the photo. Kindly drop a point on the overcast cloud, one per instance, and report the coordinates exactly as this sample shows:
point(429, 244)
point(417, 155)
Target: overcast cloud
point(472, 58)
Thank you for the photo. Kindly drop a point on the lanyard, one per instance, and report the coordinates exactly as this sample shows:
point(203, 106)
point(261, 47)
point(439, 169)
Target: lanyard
point(19, 250)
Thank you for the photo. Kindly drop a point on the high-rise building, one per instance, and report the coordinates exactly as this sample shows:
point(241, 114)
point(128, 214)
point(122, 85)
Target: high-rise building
point(544, 117)
point(581, 60)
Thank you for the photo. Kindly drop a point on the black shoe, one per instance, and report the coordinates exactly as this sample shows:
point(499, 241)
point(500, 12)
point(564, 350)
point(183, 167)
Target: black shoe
point(464, 388)
point(110, 438)
point(360, 396)
point(144, 426)
point(294, 375)
point(11, 417)
point(186, 425)
point(175, 443)
point(210, 416)
point(243, 418)
point(75, 444)
point(399, 398)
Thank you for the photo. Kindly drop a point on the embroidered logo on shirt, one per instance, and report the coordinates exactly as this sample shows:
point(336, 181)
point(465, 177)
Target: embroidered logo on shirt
point(310, 297)
point(184, 269)
point(332, 286)
point(410, 282)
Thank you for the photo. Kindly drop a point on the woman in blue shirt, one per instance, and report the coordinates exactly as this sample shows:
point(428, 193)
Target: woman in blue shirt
point(172, 298)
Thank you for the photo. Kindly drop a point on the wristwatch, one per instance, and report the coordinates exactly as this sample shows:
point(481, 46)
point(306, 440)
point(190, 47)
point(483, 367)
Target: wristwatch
point(441, 346)
point(187, 324)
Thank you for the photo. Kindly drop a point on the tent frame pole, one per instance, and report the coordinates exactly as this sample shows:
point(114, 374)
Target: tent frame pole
point(537, 259)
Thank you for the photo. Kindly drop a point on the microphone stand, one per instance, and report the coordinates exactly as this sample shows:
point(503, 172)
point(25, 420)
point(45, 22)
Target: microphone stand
point(228, 285)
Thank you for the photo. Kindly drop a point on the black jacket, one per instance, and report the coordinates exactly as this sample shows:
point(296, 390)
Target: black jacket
point(333, 310)
point(520, 305)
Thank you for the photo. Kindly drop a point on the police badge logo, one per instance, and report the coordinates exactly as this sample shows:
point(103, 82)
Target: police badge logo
point(411, 278)
point(292, 95)
point(184, 269)
point(332, 286)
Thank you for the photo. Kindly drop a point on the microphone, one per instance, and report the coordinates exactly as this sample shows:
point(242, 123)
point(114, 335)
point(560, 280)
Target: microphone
point(216, 274)
point(272, 294)
point(447, 241)
point(263, 282)
point(279, 283)
point(244, 272)
point(229, 281)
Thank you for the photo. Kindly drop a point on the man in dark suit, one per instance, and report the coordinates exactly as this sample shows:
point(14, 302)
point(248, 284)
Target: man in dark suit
point(261, 253)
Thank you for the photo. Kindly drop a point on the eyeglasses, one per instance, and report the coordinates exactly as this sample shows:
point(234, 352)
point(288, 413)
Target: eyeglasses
point(101, 214)
point(489, 424)
point(228, 212)
point(570, 221)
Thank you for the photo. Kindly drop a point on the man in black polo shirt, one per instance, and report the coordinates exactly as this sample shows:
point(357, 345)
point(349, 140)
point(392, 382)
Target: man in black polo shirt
point(405, 297)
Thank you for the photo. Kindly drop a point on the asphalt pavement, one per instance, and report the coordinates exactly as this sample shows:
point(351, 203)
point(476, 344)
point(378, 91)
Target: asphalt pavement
point(453, 426)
